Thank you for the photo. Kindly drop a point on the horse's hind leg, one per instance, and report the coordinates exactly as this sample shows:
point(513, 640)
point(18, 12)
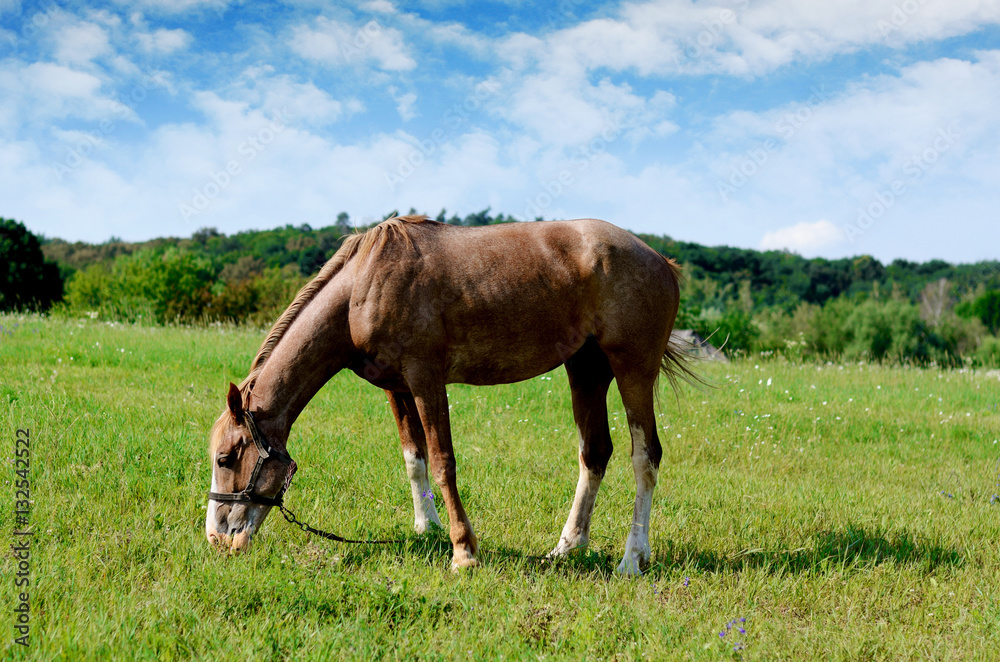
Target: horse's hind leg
point(589, 377)
point(411, 434)
point(636, 388)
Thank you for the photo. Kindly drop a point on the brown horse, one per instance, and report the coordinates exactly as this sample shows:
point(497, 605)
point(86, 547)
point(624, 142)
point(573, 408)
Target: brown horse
point(413, 305)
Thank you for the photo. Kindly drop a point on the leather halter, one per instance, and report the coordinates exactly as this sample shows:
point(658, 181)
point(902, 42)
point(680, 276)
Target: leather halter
point(264, 452)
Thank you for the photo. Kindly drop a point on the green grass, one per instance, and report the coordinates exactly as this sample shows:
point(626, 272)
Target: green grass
point(812, 507)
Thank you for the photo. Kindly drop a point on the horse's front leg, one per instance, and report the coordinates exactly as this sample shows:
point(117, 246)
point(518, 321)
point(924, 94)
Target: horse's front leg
point(431, 400)
point(411, 434)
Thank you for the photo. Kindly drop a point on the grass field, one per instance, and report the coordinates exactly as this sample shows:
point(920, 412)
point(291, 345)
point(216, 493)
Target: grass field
point(845, 512)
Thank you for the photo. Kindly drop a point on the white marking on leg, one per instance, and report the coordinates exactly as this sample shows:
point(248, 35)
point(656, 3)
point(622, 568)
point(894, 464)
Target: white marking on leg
point(637, 551)
point(424, 512)
point(576, 533)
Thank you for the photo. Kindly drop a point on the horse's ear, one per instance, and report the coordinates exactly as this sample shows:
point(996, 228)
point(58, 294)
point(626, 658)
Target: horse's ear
point(235, 399)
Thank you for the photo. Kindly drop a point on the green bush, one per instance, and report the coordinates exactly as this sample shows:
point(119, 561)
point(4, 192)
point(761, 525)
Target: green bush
point(99, 291)
point(734, 330)
point(159, 287)
point(867, 329)
point(889, 331)
point(827, 334)
point(988, 354)
point(258, 299)
point(180, 286)
point(985, 307)
point(958, 338)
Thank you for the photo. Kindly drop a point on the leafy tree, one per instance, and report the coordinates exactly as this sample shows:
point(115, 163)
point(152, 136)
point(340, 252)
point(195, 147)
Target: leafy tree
point(311, 260)
point(478, 218)
point(27, 279)
point(986, 307)
point(243, 269)
point(202, 235)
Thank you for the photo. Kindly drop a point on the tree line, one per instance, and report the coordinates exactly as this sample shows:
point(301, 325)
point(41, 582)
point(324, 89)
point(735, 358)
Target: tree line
point(750, 301)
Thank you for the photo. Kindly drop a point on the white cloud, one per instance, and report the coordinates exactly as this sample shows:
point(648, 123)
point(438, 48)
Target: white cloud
point(807, 239)
point(404, 105)
point(746, 38)
point(845, 146)
point(260, 87)
point(41, 91)
point(8, 38)
point(173, 6)
point(562, 108)
point(337, 43)
point(380, 6)
point(163, 41)
point(80, 42)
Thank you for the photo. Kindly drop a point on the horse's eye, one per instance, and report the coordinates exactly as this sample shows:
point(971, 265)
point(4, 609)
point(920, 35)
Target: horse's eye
point(224, 460)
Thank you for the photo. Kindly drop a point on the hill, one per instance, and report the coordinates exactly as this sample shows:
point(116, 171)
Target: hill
point(773, 278)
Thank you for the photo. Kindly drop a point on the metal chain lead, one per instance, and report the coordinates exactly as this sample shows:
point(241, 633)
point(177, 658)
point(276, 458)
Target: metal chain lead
point(292, 519)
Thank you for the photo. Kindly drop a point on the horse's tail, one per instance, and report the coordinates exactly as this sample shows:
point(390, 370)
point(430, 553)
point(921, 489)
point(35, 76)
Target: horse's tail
point(677, 365)
point(677, 362)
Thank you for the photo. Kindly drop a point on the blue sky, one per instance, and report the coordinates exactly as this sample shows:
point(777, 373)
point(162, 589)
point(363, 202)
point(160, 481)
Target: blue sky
point(832, 128)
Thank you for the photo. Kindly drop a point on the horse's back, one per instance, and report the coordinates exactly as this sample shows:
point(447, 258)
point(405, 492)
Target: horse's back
point(583, 248)
point(507, 302)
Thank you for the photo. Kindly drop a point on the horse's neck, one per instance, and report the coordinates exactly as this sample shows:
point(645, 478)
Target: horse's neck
point(312, 351)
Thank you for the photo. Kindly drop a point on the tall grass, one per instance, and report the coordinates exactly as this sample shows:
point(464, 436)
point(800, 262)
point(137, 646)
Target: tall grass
point(844, 511)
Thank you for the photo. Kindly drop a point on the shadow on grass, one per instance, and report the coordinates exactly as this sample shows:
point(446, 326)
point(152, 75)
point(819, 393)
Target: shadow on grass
point(849, 550)
point(435, 548)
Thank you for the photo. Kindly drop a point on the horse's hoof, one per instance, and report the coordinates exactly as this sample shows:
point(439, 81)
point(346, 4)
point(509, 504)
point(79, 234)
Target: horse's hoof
point(427, 527)
point(463, 561)
point(565, 548)
point(628, 568)
point(633, 563)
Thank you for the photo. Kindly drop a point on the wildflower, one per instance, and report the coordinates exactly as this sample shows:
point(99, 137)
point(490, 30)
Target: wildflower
point(687, 580)
point(738, 645)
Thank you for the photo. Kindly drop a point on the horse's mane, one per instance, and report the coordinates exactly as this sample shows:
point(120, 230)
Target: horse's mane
point(358, 246)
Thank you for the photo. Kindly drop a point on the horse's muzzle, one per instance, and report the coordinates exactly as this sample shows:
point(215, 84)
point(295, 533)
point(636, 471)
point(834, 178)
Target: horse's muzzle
point(232, 544)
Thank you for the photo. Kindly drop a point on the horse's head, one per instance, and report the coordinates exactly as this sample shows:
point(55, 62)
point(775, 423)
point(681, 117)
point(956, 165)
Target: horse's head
point(248, 477)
